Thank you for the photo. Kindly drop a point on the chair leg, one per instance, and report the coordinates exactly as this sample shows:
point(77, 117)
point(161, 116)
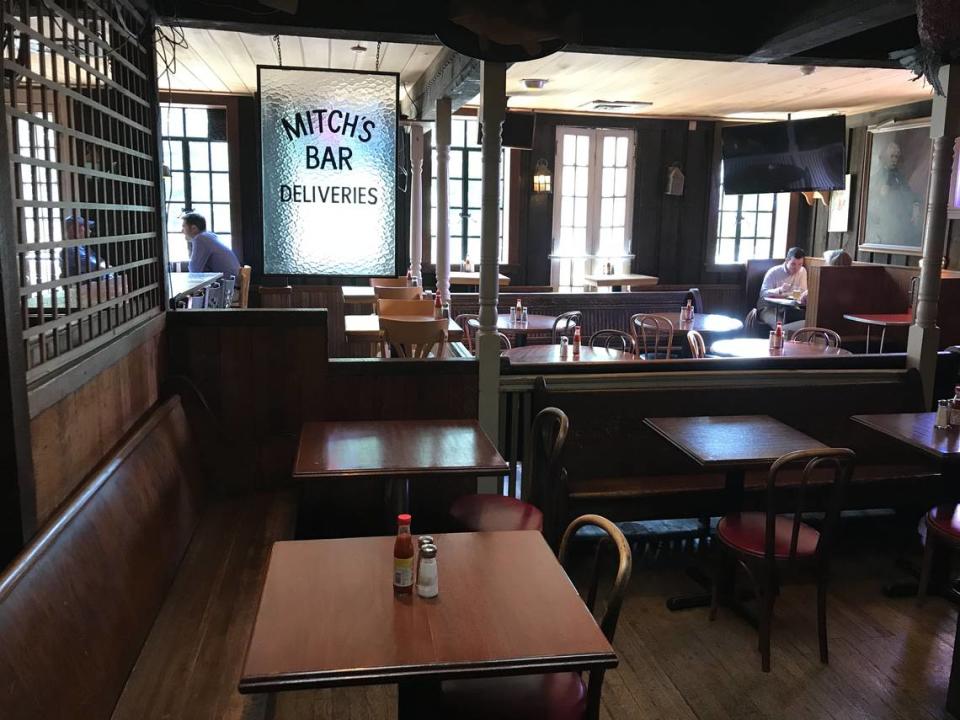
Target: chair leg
point(822, 618)
point(766, 612)
point(929, 550)
point(725, 577)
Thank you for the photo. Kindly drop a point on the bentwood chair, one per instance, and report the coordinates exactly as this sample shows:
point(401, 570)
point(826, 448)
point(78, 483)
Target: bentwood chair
point(558, 696)
point(243, 300)
point(763, 542)
point(394, 308)
point(397, 293)
point(698, 348)
point(943, 527)
point(542, 474)
point(414, 338)
point(463, 321)
point(504, 341)
point(817, 336)
point(613, 339)
point(564, 325)
point(653, 335)
point(389, 282)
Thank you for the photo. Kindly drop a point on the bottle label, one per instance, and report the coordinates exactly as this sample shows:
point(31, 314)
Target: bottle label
point(403, 572)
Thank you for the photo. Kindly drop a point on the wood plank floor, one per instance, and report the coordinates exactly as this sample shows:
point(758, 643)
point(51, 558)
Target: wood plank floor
point(889, 659)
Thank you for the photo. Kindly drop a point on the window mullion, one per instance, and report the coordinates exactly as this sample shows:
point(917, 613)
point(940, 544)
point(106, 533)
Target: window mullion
point(594, 193)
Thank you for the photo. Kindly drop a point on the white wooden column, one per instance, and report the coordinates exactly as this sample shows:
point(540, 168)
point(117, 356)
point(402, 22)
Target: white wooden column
point(416, 201)
point(493, 104)
point(443, 205)
point(924, 337)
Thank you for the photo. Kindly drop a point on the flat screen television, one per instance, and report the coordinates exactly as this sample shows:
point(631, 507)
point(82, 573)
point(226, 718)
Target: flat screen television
point(791, 156)
point(517, 130)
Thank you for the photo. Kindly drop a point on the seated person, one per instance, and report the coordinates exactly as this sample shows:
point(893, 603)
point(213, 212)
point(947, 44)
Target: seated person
point(78, 258)
point(786, 280)
point(207, 252)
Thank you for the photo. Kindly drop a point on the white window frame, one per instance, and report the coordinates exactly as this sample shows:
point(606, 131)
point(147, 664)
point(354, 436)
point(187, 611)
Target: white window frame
point(593, 262)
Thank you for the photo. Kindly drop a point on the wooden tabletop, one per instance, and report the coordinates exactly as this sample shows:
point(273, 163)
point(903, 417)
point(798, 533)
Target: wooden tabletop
point(359, 295)
point(628, 279)
point(458, 277)
point(551, 354)
point(183, 284)
point(534, 324)
point(704, 323)
point(396, 448)
point(884, 319)
point(366, 328)
point(760, 347)
point(328, 615)
point(785, 301)
point(732, 441)
point(918, 430)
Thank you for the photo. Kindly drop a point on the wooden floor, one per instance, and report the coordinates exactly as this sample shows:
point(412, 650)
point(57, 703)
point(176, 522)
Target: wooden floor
point(889, 659)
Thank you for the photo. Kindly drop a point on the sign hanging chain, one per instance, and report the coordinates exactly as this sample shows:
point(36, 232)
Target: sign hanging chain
point(377, 64)
point(276, 39)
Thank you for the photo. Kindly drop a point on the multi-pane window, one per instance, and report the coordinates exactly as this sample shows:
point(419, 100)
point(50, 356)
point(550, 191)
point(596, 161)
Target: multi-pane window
point(592, 209)
point(196, 172)
point(464, 195)
point(751, 227)
point(42, 224)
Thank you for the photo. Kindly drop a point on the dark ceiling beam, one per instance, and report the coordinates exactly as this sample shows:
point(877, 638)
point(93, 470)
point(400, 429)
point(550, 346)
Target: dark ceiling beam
point(450, 75)
point(830, 22)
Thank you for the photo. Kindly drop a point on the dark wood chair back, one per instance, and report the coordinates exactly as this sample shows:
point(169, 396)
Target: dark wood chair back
point(820, 467)
point(414, 338)
point(698, 348)
point(565, 323)
point(243, 298)
point(618, 589)
point(505, 343)
point(817, 335)
point(653, 335)
point(77, 604)
point(543, 471)
point(463, 321)
point(397, 293)
point(616, 339)
point(389, 282)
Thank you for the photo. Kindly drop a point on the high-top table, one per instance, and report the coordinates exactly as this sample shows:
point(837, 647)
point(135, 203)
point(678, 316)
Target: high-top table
point(328, 617)
point(618, 281)
point(184, 284)
point(883, 320)
point(472, 279)
point(731, 444)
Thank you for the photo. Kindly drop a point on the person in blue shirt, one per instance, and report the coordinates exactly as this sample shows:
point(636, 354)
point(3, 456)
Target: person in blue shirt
point(74, 260)
point(207, 252)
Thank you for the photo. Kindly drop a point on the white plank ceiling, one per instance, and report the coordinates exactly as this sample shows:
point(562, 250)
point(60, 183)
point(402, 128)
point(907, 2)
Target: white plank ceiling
point(217, 61)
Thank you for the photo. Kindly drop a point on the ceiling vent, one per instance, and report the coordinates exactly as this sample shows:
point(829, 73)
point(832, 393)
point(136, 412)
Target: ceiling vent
point(617, 106)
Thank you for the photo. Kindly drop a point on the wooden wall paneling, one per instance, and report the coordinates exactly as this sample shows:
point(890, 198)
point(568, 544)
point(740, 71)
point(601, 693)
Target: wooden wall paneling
point(672, 260)
point(647, 204)
point(694, 220)
point(72, 436)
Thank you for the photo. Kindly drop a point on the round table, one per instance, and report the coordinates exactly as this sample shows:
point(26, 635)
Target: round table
point(884, 320)
point(708, 323)
point(760, 347)
point(535, 324)
point(551, 354)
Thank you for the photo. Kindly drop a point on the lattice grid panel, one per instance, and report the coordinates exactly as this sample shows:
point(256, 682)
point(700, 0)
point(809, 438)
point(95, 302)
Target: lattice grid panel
point(79, 99)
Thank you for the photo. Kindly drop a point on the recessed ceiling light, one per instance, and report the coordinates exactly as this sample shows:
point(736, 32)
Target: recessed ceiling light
point(535, 83)
point(623, 106)
point(358, 48)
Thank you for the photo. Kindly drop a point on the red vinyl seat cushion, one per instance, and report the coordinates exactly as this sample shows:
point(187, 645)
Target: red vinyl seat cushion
point(554, 696)
point(746, 533)
point(945, 519)
point(485, 513)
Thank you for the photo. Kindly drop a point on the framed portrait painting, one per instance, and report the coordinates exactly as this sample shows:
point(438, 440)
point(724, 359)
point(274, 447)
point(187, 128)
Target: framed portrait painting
point(839, 218)
point(897, 177)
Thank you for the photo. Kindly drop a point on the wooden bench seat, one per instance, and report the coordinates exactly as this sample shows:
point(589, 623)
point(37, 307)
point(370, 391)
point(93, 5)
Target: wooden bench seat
point(137, 599)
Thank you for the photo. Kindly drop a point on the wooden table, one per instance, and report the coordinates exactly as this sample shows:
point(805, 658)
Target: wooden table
point(366, 328)
point(731, 444)
point(472, 279)
point(884, 320)
point(618, 281)
point(760, 347)
point(184, 284)
point(704, 323)
point(919, 430)
point(328, 617)
point(537, 324)
point(538, 354)
point(785, 303)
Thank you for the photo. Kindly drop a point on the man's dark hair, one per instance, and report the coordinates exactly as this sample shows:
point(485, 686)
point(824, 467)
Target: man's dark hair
point(792, 253)
point(200, 222)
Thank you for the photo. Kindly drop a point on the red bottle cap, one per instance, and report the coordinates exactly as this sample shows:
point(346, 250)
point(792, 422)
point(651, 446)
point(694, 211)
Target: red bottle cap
point(404, 519)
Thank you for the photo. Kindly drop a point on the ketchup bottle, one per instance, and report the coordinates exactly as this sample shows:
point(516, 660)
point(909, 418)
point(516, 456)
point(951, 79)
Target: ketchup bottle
point(576, 341)
point(437, 305)
point(779, 334)
point(403, 557)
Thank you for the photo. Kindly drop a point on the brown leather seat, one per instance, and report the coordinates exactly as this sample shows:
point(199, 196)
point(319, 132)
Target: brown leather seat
point(495, 512)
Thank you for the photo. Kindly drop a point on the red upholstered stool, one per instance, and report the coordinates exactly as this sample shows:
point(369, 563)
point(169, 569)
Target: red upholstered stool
point(943, 526)
point(495, 512)
point(763, 541)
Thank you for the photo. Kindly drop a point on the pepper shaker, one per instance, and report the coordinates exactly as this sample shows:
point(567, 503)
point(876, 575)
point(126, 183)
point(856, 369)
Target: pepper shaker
point(428, 584)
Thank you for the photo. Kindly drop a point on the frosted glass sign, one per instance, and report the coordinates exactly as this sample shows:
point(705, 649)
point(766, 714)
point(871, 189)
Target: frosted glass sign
point(329, 157)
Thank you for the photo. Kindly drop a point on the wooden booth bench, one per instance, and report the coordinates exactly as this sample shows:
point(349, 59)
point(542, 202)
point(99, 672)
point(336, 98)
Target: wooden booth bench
point(137, 599)
point(618, 467)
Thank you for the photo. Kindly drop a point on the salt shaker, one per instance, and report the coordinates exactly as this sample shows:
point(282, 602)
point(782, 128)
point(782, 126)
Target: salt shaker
point(523, 315)
point(428, 582)
point(513, 315)
point(943, 414)
point(564, 345)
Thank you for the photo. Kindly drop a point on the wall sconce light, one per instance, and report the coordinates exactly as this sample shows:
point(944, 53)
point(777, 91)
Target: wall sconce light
point(542, 180)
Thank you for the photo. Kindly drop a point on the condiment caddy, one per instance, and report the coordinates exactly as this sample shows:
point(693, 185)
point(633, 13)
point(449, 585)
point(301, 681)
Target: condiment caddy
point(414, 570)
point(948, 411)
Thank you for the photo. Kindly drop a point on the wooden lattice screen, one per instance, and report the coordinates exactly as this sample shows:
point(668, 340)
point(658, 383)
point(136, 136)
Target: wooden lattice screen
point(79, 95)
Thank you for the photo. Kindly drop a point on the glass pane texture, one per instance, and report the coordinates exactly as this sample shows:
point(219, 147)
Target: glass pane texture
point(199, 156)
point(196, 122)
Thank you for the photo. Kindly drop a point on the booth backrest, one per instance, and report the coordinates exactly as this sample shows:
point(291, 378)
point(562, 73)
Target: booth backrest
point(756, 269)
point(78, 603)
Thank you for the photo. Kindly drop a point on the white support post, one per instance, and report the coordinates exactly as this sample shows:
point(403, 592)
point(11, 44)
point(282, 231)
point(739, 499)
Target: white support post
point(416, 201)
point(924, 337)
point(493, 104)
point(443, 205)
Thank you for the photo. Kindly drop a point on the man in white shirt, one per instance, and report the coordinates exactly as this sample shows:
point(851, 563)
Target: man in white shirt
point(786, 280)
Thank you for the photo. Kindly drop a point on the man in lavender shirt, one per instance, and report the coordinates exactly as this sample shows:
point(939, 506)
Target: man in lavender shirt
point(207, 252)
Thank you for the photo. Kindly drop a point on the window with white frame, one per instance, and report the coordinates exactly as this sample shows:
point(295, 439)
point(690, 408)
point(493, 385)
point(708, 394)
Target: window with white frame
point(464, 194)
point(592, 207)
point(751, 227)
point(41, 224)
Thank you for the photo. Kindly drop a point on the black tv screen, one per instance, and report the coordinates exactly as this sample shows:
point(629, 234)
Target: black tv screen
point(792, 156)
point(517, 130)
